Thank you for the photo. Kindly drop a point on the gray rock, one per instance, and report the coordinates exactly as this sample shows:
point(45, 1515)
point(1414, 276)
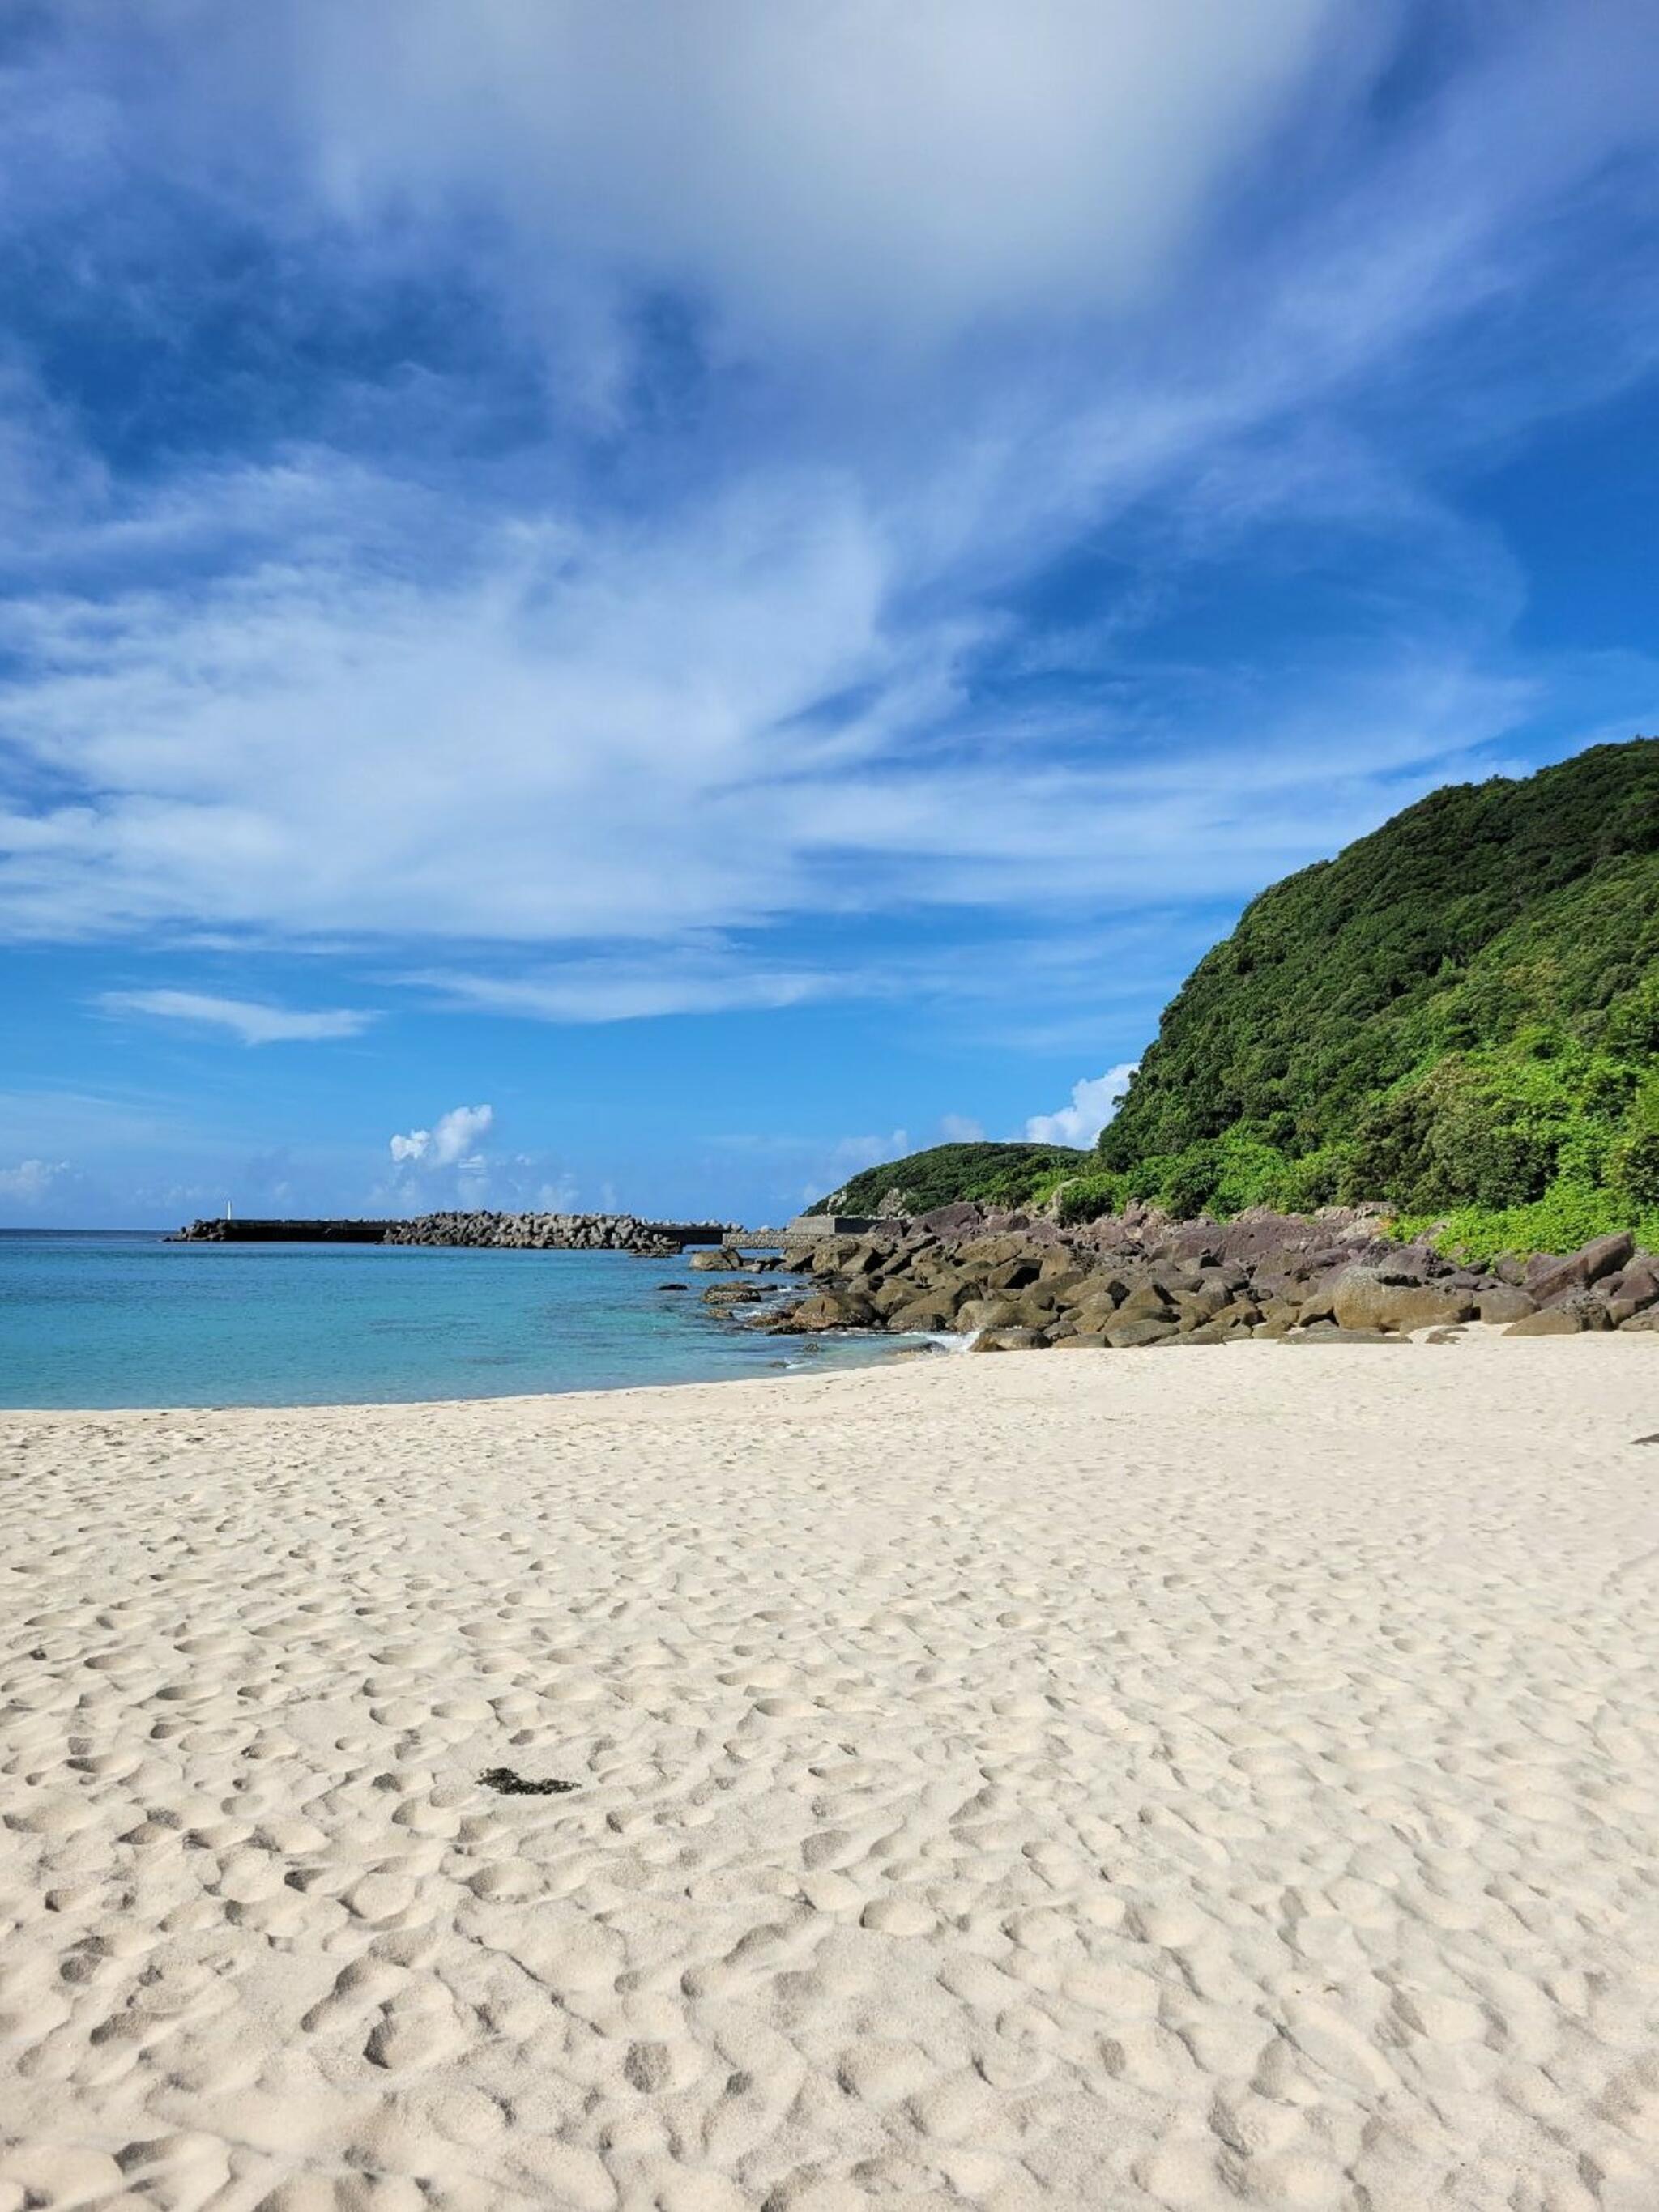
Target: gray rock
point(1148, 1301)
point(923, 1316)
point(1127, 1332)
point(829, 1310)
point(1569, 1316)
point(1553, 1321)
point(1549, 1279)
point(1326, 1331)
point(1503, 1303)
point(1361, 1299)
point(1631, 1291)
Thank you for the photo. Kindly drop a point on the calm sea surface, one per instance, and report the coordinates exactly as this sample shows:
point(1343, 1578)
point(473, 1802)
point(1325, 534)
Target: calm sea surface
point(121, 1318)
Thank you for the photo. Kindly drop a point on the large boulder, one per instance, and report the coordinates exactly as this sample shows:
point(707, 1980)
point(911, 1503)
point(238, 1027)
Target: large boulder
point(829, 1310)
point(1201, 1305)
point(1568, 1316)
point(926, 1315)
point(717, 1258)
point(1409, 1264)
point(1549, 1279)
point(960, 1219)
point(1503, 1302)
point(1279, 1319)
point(1361, 1299)
point(868, 1256)
point(1242, 1315)
point(988, 1313)
point(1553, 1321)
point(1125, 1333)
point(1631, 1291)
point(1092, 1315)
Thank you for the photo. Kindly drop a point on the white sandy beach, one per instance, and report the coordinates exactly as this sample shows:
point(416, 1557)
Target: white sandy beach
point(1177, 1779)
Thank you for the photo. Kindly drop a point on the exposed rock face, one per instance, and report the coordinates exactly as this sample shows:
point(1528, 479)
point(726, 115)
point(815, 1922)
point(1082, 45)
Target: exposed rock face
point(1141, 1279)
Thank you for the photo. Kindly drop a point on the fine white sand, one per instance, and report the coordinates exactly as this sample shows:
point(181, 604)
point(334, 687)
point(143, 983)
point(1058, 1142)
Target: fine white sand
point(1184, 1778)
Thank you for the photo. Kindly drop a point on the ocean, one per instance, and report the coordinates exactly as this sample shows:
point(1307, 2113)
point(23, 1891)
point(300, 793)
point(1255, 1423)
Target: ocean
point(121, 1318)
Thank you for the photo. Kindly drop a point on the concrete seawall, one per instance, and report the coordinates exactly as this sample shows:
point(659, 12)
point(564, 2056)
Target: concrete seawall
point(583, 1232)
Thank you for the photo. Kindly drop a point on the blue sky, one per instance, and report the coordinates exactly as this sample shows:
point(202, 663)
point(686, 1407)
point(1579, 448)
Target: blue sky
point(657, 601)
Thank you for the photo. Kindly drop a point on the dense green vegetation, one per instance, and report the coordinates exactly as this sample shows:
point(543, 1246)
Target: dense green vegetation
point(1458, 1016)
point(995, 1174)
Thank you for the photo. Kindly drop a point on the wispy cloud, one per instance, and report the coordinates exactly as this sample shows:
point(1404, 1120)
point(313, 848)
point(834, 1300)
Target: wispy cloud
point(623, 986)
point(251, 1020)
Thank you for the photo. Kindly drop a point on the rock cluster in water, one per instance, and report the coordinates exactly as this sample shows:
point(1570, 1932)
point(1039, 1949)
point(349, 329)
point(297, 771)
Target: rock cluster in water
point(1014, 1282)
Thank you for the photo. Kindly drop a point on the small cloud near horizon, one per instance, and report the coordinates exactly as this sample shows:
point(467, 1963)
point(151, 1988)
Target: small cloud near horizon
point(450, 1142)
point(32, 1181)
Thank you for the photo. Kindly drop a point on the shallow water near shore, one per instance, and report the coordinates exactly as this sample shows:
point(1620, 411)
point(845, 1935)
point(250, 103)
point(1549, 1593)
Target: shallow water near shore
point(120, 1318)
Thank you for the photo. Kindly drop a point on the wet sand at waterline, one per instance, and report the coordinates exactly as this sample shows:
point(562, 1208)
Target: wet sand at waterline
point(1192, 1777)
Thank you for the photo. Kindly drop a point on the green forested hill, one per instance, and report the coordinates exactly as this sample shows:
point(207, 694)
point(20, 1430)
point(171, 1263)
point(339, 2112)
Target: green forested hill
point(995, 1174)
point(1458, 1015)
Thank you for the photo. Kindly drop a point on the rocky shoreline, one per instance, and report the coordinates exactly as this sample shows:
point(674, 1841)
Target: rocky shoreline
point(1010, 1282)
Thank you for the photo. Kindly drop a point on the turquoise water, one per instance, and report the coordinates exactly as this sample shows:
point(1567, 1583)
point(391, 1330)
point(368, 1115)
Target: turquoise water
point(123, 1319)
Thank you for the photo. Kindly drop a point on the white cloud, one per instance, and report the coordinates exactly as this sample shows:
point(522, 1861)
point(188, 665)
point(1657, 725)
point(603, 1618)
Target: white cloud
point(252, 1020)
point(323, 696)
point(31, 1182)
point(861, 169)
point(449, 1143)
point(960, 1129)
point(398, 759)
point(1095, 1099)
point(617, 988)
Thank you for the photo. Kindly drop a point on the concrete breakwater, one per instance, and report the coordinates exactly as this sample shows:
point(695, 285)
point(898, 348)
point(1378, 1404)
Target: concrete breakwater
point(531, 1233)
